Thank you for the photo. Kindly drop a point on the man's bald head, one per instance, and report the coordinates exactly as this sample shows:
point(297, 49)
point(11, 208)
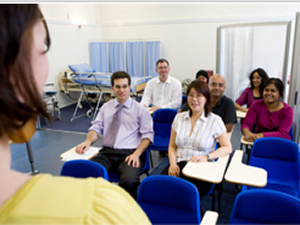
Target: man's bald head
point(217, 85)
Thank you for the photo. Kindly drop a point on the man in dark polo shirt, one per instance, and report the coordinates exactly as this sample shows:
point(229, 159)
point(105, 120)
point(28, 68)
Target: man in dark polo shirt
point(222, 106)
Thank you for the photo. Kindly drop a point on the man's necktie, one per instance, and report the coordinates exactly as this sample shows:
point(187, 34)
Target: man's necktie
point(111, 134)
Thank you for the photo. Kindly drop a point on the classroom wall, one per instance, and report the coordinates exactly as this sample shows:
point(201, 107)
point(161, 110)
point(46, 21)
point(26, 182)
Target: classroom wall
point(187, 31)
point(69, 43)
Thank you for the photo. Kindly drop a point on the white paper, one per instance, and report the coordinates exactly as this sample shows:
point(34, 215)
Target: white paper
point(86, 155)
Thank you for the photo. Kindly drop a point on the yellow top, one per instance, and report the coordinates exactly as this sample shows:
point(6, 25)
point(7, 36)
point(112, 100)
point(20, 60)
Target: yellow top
point(46, 199)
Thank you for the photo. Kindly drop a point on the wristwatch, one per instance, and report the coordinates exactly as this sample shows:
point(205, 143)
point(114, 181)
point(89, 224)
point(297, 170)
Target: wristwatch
point(208, 158)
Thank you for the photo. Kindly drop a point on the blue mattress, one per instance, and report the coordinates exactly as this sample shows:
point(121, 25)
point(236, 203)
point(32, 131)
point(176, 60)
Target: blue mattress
point(104, 80)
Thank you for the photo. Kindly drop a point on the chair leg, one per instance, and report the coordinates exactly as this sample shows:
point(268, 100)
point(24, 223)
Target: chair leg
point(151, 160)
point(219, 198)
point(241, 146)
point(221, 188)
point(213, 200)
point(30, 157)
point(248, 151)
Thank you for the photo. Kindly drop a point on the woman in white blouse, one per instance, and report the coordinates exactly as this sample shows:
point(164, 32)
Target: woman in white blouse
point(194, 135)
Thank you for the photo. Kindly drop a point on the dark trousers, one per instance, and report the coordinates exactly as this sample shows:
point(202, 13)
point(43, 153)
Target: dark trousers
point(114, 161)
point(202, 186)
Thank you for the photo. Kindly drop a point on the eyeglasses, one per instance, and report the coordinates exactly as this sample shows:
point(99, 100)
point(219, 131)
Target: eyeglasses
point(191, 96)
point(119, 87)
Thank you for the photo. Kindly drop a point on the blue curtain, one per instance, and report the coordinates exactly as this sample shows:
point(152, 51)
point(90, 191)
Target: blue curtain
point(98, 53)
point(116, 56)
point(135, 55)
point(135, 58)
point(152, 54)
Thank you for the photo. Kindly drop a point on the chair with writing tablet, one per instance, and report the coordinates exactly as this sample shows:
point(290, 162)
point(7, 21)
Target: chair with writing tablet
point(250, 144)
point(82, 168)
point(265, 207)
point(162, 125)
point(280, 158)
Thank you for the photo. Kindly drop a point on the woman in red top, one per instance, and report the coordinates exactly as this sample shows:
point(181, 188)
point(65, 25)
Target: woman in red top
point(271, 116)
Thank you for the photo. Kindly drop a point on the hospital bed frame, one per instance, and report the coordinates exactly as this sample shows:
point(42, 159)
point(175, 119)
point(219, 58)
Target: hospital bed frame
point(68, 85)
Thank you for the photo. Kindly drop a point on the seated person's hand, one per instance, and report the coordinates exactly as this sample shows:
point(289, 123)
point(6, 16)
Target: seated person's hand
point(198, 159)
point(133, 160)
point(250, 137)
point(81, 148)
point(259, 135)
point(174, 170)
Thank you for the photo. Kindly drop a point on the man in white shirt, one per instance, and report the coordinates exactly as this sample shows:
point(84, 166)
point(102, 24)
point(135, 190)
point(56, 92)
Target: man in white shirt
point(163, 91)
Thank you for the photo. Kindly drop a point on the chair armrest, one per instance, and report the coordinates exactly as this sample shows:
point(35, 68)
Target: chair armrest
point(240, 173)
point(245, 142)
point(209, 218)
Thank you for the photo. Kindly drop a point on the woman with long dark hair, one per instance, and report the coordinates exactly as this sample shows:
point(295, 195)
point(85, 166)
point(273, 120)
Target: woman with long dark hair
point(257, 78)
point(43, 198)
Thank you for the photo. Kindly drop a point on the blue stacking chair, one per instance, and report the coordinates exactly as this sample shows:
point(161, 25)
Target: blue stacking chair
point(162, 124)
point(265, 207)
point(280, 158)
point(114, 177)
point(81, 168)
point(169, 200)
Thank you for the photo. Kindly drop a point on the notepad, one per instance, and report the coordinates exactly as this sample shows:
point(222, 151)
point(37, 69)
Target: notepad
point(72, 154)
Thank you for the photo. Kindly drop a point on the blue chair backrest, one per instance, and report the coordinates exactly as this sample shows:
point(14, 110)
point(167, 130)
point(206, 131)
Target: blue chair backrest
point(162, 121)
point(280, 158)
point(83, 168)
point(275, 148)
point(169, 200)
point(265, 207)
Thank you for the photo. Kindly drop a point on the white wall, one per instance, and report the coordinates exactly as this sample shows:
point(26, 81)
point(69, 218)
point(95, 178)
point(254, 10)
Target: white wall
point(187, 31)
point(69, 44)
